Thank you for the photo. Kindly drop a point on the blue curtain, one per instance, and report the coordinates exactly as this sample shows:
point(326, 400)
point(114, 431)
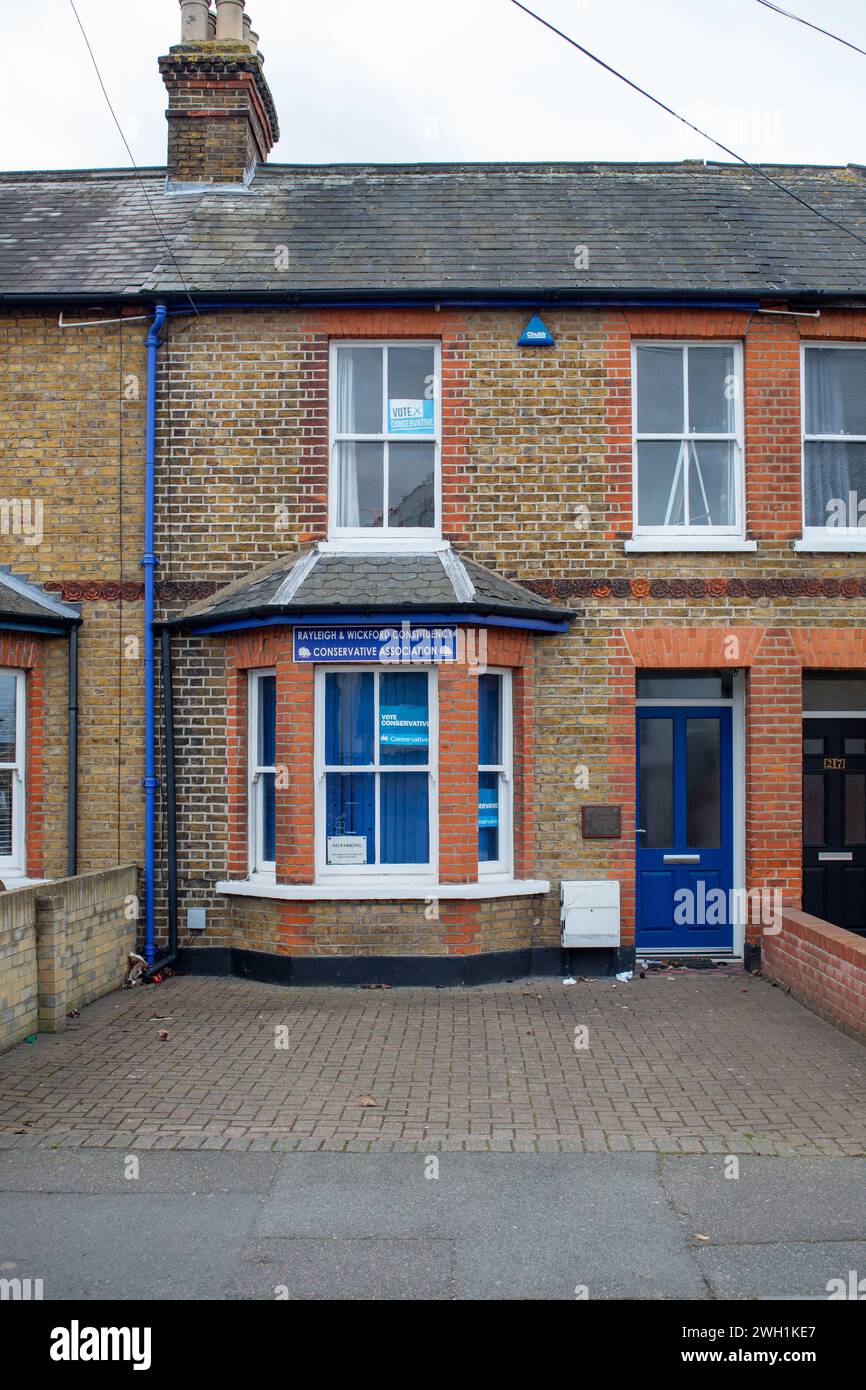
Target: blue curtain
point(407, 691)
point(349, 734)
point(269, 816)
point(405, 818)
point(267, 721)
point(488, 817)
point(489, 733)
point(351, 807)
point(267, 754)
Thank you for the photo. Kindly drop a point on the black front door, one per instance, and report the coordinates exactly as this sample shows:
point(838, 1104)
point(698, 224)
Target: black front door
point(834, 821)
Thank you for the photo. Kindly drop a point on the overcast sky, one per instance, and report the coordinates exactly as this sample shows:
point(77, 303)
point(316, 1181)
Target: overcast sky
point(429, 80)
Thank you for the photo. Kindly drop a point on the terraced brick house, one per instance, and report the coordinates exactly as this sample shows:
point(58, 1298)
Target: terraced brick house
point(502, 527)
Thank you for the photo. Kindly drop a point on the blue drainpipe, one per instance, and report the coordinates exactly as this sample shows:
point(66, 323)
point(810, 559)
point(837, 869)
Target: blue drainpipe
point(149, 563)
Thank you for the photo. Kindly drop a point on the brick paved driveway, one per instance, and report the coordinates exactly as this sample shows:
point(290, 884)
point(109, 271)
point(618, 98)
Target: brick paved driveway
point(699, 1062)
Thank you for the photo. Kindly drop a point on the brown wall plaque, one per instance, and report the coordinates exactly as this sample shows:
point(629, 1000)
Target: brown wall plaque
point(601, 822)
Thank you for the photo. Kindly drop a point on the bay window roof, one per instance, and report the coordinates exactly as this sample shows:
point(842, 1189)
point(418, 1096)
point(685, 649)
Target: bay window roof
point(24, 604)
point(313, 581)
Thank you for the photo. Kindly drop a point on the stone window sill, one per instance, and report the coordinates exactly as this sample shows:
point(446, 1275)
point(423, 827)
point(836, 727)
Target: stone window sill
point(841, 544)
point(660, 544)
point(360, 890)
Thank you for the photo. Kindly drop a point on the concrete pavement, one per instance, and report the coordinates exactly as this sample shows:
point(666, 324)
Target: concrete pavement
point(489, 1226)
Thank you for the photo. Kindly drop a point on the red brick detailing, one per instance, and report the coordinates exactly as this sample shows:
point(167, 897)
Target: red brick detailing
point(296, 855)
point(295, 935)
point(693, 647)
point(461, 921)
point(822, 966)
point(458, 774)
point(775, 659)
point(25, 652)
point(318, 330)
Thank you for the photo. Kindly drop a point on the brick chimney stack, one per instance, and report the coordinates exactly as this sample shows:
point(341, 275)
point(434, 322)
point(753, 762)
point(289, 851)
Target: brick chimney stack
point(222, 121)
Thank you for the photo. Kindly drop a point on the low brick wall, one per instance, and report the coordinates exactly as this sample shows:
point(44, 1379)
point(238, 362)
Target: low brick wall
point(823, 966)
point(62, 945)
point(19, 991)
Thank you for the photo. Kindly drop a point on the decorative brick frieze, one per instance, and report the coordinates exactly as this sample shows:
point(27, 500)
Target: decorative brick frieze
point(659, 587)
point(130, 591)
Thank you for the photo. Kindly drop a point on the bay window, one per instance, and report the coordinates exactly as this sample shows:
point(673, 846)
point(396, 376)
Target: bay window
point(375, 771)
point(688, 432)
point(12, 772)
point(494, 773)
point(385, 437)
point(834, 440)
point(262, 799)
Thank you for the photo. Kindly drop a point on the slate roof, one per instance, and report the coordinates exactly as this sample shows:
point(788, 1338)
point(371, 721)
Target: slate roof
point(22, 601)
point(451, 229)
point(315, 581)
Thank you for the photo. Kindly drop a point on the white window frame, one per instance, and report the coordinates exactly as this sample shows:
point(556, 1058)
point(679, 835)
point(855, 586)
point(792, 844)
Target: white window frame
point(372, 537)
point(502, 867)
point(376, 873)
point(267, 868)
point(16, 862)
point(825, 537)
point(679, 534)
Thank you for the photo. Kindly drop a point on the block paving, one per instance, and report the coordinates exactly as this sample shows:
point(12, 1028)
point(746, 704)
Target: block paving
point(692, 1062)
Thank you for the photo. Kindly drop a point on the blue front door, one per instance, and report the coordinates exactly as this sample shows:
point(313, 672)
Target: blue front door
point(685, 832)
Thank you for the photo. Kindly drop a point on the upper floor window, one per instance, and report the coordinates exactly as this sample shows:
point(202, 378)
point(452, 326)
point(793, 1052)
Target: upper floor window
point(385, 440)
point(688, 441)
point(834, 438)
point(12, 772)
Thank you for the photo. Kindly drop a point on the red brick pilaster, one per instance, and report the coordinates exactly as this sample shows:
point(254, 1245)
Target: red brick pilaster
point(25, 652)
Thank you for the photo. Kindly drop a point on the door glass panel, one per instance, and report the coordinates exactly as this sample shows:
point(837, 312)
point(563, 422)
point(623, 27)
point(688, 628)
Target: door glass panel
point(813, 747)
point(657, 783)
point(685, 685)
point(855, 747)
point(833, 690)
point(855, 808)
point(703, 783)
point(813, 808)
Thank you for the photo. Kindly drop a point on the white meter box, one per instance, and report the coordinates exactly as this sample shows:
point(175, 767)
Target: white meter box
point(590, 912)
